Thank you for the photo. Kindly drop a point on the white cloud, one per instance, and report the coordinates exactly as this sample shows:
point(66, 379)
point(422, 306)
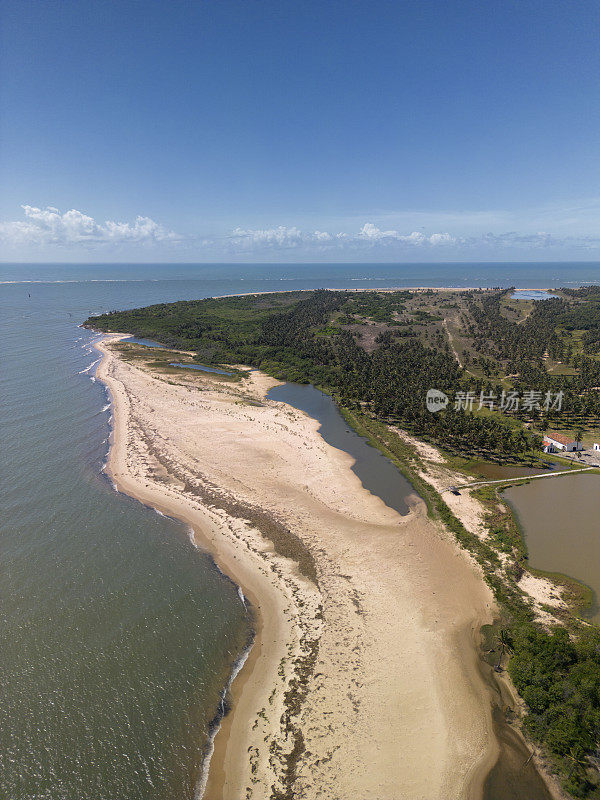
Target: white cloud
point(48, 226)
point(372, 233)
point(441, 238)
point(568, 218)
point(371, 238)
point(293, 237)
point(514, 239)
point(284, 237)
point(269, 237)
point(42, 230)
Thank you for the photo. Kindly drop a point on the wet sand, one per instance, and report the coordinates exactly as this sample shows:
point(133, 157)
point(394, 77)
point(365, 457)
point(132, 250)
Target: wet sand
point(516, 774)
point(364, 677)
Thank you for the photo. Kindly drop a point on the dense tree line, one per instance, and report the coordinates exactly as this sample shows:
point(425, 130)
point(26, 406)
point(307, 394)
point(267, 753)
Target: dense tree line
point(312, 336)
point(516, 342)
point(583, 293)
point(584, 317)
point(558, 676)
point(301, 337)
point(295, 337)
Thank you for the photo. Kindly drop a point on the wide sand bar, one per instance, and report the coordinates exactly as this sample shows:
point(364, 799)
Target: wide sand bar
point(363, 680)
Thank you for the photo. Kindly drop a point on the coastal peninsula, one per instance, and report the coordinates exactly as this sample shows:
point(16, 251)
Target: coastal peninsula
point(365, 677)
point(367, 621)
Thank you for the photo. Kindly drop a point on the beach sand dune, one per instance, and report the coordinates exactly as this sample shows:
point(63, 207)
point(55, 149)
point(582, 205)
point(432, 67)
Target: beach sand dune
point(363, 680)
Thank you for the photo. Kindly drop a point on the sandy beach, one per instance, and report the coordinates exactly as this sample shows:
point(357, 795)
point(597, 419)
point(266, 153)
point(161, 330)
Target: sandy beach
point(363, 680)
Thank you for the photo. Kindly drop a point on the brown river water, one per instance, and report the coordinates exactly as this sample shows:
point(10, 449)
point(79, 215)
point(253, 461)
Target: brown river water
point(560, 519)
point(497, 472)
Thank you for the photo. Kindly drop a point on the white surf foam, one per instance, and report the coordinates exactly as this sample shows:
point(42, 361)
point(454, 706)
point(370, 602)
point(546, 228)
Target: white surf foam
point(87, 369)
point(210, 749)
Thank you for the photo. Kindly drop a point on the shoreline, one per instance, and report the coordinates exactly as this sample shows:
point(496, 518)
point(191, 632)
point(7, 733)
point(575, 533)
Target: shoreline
point(212, 782)
point(221, 715)
point(212, 757)
point(387, 289)
point(247, 688)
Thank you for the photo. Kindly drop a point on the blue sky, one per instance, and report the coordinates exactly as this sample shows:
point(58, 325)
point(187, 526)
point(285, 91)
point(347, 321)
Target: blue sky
point(294, 131)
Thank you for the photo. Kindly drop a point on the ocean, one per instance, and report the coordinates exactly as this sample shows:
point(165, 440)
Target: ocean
point(117, 635)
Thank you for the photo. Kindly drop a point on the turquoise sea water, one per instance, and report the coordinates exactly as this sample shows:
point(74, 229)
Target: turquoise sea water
point(116, 634)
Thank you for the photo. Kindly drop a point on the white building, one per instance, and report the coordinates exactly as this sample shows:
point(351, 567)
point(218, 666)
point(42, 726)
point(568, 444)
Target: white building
point(557, 441)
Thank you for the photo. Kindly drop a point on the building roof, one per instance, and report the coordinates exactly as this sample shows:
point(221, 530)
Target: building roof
point(558, 437)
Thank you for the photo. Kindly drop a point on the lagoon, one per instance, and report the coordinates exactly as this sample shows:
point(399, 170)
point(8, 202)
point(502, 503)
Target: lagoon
point(560, 519)
point(508, 780)
point(201, 367)
point(531, 294)
point(145, 342)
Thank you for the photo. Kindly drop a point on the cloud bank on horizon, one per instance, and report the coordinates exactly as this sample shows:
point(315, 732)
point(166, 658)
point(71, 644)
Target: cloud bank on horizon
point(52, 232)
point(48, 226)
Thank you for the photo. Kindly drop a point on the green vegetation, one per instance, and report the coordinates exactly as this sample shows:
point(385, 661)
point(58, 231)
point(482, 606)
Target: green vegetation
point(380, 351)
point(164, 362)
point(558, 676)
point(502, 339)
point(502, 526)
point(377, 354)
point(557, 669)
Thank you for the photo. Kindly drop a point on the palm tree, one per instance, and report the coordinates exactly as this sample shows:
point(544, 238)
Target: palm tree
point(523, 442)
point(504, 641)
point(577, 758)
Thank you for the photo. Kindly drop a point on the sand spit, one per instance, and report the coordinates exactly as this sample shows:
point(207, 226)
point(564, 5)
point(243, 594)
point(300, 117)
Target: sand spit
point(382, 289)
point(363, 680)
